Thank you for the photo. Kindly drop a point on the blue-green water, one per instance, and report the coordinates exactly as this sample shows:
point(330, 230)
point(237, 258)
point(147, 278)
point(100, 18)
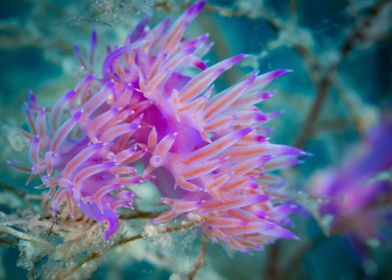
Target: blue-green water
point(347, 43)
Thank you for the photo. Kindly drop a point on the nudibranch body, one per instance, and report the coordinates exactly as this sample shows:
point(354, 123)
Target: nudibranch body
point(205, 151)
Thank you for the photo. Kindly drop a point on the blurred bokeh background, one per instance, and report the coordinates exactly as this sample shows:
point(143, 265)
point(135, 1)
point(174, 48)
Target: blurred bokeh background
point(339, 92)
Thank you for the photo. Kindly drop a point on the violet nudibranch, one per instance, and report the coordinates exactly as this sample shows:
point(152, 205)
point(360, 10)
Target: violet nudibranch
point(205, 151)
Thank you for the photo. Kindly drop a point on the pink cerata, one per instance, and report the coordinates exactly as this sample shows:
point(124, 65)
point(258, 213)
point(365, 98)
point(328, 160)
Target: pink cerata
point(204, 150)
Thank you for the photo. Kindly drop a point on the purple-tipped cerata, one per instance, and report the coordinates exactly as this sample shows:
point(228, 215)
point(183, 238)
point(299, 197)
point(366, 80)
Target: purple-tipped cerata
point(358, 193)
point(203, 150)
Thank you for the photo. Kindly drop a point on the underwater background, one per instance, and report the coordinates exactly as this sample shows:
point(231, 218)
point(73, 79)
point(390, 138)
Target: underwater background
point(336, 105)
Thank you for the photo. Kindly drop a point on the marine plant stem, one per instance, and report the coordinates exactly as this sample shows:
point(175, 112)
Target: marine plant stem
point(200, 260)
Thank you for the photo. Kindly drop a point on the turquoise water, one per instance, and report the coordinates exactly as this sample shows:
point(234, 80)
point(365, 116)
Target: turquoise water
point(339, 49)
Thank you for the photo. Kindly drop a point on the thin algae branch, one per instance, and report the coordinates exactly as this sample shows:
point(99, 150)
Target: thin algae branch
point(125, 240)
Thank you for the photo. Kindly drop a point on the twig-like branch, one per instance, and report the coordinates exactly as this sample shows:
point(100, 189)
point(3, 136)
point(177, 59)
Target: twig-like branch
point(346, 97)
point(140, 215)
point(294, 261)
point(200, 260)
point(357, 36)
point(294, 8)
point(165, 5)
point(96, 255)
point(334, 124)
point(125, 240)
point(23, 236)
point(314, 112)
point(17, 191)
point(271, 267)
point(10, 243)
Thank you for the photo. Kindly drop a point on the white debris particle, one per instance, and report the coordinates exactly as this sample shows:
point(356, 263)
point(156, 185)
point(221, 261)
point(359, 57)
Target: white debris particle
point(176, 276)
point(193, 217)
point(16, 141)
point(373, 242)
point(157, 235)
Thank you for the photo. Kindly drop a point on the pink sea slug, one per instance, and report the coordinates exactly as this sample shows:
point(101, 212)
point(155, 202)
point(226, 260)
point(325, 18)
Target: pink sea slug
point(358, 196)
point(204, 151)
